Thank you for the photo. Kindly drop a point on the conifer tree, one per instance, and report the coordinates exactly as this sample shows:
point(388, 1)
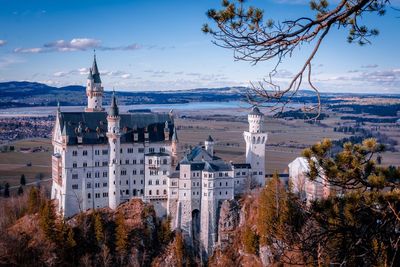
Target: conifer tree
point(22, 180)
point(250, 240)
point(47, 220)
point(7, 190)
point(33, 200)
point(98, 227)
point(272, 211)
point(121, 234)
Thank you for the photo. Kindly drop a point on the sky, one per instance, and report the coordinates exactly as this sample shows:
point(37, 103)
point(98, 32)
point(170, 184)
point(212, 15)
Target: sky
point(158, 45)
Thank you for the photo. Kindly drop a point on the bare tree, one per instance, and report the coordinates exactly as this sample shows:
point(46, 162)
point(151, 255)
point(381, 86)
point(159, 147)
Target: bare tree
point(253, 38)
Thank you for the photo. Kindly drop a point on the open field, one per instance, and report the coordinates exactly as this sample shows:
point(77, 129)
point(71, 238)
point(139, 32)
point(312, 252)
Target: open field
point(14, 164)
point(286, 140)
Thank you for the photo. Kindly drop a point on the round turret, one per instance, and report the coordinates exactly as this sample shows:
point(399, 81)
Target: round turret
point(256, 120)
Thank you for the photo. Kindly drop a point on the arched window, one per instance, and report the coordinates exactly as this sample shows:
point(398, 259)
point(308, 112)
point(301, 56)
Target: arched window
point(149, 192)
point(165, 192)
point(157, 182)
point(165, 162)
point(134, 192)
point(150, 161)
point(157, 192)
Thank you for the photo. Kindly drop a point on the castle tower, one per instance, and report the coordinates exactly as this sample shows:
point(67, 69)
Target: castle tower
point(174, 148)
point(94, 90)
point(209, 145)
point(255, 140)
point(113, 134)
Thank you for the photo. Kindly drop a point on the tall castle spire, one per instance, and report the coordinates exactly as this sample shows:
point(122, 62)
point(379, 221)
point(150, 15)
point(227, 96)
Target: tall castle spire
point(94, 90)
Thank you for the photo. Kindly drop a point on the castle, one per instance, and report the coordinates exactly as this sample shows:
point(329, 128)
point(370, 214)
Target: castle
point(103, 158)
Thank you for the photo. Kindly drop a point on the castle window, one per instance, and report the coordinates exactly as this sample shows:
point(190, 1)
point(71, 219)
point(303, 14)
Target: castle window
point(226, 174)
point(141, 191)
point(75, 186)
point(165, 192)
point(134, 161)
point(141, 150)
point(164, 182)
point(88, 195)
point(194, 193)
point(157, 182)
point(260, 173)
point(104, 152)
point(134, 172)
point(141, 161)
point(220, 184)
point(134, 192)
point(127, 192)
point(220, 193)
point(74, 165)
point(127, 161)
point(97, 175)
point(141, 182)
point(89, 175)
point(162, 149)
point(121, 151)
point(97, 185)
point(141, 171)
point(165, 161)
point(97, 195)
point(157, 192)
point(150, 182)
point(151, 150)
point(105, 163)
point(164, 172)
point(105, 194)
point(97, 164)
point(150, 161)
point(105, 184)
point(134, 181)
point(85, 164)
point(104, 174)
point(150, 192)
point(97, 152)
point(184, 185)
point(205, 184)
point(123, 172)
point(88, 185)
point(243, 173)
point(127, 182)
point(74, 176)
point(130, 150)
point(84, 152)
point(226, 192)
point(220, 174)
point(74, 153)
point(226, 183)
point(238, 173)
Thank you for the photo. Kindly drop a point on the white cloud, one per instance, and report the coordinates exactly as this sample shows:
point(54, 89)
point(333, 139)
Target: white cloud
point(370, 66)
point(75, 44)
point(3, 42)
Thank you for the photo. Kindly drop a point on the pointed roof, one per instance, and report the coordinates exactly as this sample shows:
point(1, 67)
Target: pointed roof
point(114, 111)
point(209, 139)
point(95, 71)
point(255, 111)
point(174, 136)
point(90, 76)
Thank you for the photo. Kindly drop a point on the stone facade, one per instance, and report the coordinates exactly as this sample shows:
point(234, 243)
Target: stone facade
point(102, 159)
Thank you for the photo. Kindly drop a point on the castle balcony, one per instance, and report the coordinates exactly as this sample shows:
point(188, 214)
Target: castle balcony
point(163, 197)
point(154, 166)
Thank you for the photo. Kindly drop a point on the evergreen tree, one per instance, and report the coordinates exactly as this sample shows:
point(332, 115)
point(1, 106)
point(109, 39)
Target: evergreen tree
point(34, 200)
point(20, 190)
point(121, 234)
point(98, 227)
point(250, 240)
point(7, 190)
point(47, 220)
point(272, 211)
point(22, 180)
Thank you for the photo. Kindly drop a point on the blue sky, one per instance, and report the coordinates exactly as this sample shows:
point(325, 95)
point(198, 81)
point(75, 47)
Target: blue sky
point(158, 45)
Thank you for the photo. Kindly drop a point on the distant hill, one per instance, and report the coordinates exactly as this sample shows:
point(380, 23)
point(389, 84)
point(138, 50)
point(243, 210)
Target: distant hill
point(27, 94)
